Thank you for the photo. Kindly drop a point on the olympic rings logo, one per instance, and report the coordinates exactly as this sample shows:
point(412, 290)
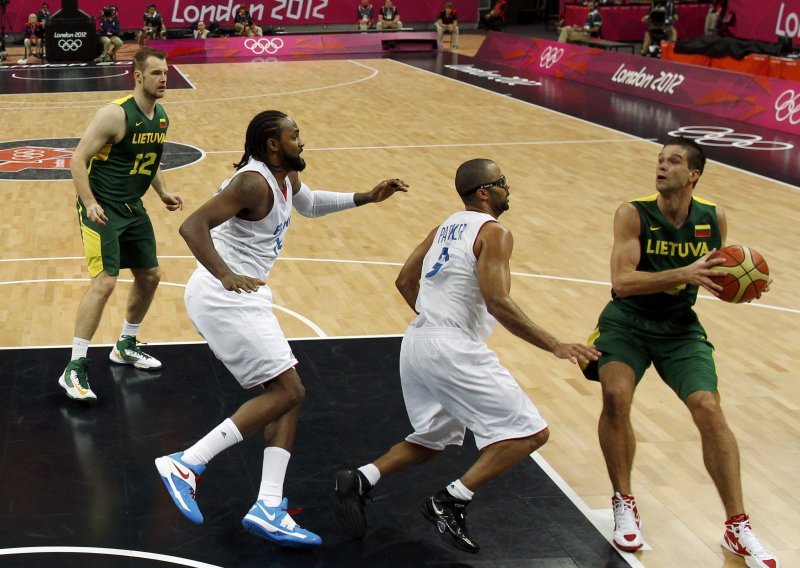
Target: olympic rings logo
point(264, 45)
point(70, 44)
point(721, 136)
point(27, 154)
point(550, 56)
point(787, 107)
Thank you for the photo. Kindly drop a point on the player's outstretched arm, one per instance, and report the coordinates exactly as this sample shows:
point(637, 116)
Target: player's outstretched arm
point(246, 191)
point(380, 192)
point(493, 248)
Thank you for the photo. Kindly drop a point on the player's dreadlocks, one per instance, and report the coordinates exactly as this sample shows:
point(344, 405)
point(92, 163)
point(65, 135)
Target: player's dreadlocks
point(265, 125)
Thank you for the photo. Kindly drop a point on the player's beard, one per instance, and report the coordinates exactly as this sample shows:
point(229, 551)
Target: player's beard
point(295, 163)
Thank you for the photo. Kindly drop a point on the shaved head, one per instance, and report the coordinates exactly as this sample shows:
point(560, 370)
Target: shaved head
point(473, 173)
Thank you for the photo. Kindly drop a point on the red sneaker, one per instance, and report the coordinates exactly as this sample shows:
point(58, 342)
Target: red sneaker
point(627, 524)
point(740, 539)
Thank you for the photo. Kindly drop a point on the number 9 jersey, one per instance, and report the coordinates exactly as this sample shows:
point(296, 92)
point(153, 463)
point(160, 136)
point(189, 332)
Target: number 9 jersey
point(122, 172)
point(449, 293)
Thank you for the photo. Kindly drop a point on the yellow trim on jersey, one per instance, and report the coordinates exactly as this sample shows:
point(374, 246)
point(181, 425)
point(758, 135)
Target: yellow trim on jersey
point(92, 249)
point(704, 201)
point(647, 198)
point(101, 156)
point(120, 101)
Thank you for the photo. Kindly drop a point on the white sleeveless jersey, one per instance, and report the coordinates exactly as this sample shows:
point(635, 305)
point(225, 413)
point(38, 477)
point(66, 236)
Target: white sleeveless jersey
point(449, 295)
point(251, 247)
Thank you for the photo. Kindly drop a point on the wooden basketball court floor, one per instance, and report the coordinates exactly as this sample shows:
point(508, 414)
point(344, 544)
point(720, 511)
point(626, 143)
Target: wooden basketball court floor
point(365, 120)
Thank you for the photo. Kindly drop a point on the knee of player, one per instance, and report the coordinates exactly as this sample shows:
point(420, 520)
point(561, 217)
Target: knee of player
point(616, 403)
point(296, 394)
point(539, 439)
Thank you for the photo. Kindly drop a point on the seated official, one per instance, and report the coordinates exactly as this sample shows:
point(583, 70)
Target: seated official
point(591, 29)
point(389, 17)
point(448, 23)
point(200, 31)
point(110, 31)
point(153, 25)
point(34, 39)
point(364, 15)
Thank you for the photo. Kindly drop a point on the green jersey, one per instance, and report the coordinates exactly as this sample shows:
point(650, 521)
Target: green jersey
point(664, 246)
point(122, 172)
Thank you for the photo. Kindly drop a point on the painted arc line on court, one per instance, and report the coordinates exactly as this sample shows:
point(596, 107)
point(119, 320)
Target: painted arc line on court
point(760, 305)
point(108, 551)
point(314, 327)
point(68, 78)
point(93, 104)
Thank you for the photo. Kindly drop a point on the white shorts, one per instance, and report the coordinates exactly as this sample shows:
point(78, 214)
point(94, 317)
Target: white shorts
point(240, 329)
point(452, 382)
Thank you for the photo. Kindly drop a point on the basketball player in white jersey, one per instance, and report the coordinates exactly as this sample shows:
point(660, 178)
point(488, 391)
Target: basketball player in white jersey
point(458, 280)
point(236, 237)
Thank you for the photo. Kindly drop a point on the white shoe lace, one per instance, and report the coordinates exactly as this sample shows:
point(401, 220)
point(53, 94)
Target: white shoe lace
point(287, 522)
point(624, 517)
point(744, 534)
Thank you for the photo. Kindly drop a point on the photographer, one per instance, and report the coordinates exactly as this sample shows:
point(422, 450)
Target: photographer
point(592, 26)
point(109, 34)
point(660, 22)
point(153, 25)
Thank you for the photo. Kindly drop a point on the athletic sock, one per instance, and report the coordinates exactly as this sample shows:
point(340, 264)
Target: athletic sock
point(220, 438)
point(460, 491)
point(129, 329)
point(371, 472)
point(80, 347)
point(276, 460)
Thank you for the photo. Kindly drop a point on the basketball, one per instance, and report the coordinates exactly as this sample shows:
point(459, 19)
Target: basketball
point(743, 275)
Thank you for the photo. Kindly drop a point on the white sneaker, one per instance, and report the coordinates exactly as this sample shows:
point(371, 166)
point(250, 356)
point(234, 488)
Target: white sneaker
point(22, 61)
point(739, 539)
point(627, 524)
point(75, 380)
point(127, 352)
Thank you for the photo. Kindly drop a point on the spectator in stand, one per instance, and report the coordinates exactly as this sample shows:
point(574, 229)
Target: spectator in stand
point(592, 27)
point(389, 17)
point(448, 23)
point(153, 25)
point(109, 34)
point(43, 15)
point(201, 31)
point(241, 21)
point(494, 18)
point(364, 15)
point(34, 37)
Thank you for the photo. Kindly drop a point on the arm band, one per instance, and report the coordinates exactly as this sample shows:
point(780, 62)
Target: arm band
point(318, 203)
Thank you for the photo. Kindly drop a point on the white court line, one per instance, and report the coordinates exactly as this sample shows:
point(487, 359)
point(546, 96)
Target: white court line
point(93, 104)
point(321, 333)
point(70, 78)
point(783, 183)
point(107, 551)
point(318, 330)
point(185, 77)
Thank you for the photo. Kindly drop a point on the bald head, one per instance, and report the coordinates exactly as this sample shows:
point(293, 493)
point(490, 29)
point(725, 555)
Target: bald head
point(473, 173)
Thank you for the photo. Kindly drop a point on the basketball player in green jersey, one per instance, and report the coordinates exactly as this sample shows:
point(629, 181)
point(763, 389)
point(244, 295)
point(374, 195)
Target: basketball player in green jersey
point(114, 164)
point(663, 253)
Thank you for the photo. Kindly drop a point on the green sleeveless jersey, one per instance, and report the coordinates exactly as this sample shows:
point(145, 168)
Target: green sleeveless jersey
point(664, 246)
point(122, 172)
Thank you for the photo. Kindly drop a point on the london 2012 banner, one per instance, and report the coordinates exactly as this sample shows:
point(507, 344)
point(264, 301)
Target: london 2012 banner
point(766, 20)
point(183, 13)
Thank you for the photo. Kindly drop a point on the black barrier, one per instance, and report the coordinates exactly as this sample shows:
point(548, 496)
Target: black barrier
point(71, 34)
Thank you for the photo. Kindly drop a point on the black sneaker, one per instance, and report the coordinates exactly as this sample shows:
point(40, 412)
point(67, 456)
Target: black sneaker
point(449, 516)
point(351, 488)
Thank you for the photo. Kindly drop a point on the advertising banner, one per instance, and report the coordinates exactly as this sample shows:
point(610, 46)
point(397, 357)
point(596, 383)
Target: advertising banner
point(766, 20)
point(280, 13)
point(765, 101)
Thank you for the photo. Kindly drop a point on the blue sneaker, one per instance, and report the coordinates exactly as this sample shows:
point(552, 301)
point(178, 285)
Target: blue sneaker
point(276, 525)
point(181, 481)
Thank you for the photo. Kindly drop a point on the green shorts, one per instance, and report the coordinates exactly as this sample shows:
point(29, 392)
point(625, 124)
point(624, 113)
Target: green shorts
point(127, 240)
point(677, 347)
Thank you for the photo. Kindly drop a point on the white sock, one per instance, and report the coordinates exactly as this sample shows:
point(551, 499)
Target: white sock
point(276, 460)
point(129, 329)
point(220, 438)
point(460, 491)
point(371, 472)
point(80, 347)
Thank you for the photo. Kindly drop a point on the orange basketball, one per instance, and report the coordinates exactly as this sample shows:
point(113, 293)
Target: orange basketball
point(743, 275)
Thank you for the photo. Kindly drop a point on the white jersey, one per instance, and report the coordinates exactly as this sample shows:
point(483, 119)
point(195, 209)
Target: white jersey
point(449, 294)
point(251, 247)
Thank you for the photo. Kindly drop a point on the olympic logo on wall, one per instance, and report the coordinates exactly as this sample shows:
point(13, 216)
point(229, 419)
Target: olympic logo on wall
point(264, 45)
point(787, 107)
point(721, 136)
point(550, 56)
point(70, 44)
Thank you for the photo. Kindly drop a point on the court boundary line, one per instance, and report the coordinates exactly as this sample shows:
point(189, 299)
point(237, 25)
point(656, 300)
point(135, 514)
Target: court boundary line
point(583, 120)
point(127, 553)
